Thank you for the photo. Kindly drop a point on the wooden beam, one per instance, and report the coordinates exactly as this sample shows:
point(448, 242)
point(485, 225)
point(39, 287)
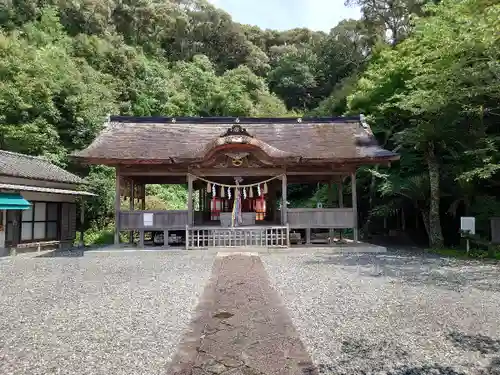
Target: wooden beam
point(159, 172)
point(352, 162)
point(224, 172)
point(319, 173)
point(168, 170)
point(163, 180)
point(162, 170)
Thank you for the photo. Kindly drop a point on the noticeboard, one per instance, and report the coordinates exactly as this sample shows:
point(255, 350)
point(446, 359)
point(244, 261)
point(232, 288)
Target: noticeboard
point(148, 219)
point(468, 224)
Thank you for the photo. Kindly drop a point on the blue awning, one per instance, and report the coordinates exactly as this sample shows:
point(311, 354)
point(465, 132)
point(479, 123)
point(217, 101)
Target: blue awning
point(13, 201)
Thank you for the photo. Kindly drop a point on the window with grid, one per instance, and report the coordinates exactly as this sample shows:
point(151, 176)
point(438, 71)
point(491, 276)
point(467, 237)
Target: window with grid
point(40, 222)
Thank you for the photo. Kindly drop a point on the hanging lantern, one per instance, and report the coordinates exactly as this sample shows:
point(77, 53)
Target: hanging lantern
point(215, 208)
point(265, 188)
point(260, 208)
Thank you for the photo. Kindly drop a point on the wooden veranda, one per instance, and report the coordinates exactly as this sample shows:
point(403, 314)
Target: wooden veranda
point(237, 173)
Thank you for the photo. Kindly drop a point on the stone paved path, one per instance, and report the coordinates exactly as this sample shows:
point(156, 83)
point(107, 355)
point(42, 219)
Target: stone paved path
point(241, 326)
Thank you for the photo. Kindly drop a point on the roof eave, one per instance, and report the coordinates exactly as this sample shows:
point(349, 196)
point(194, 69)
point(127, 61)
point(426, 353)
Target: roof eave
point(81, 182)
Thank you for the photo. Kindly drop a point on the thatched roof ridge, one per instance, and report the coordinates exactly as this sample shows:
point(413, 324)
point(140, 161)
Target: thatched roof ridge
point(172, 140)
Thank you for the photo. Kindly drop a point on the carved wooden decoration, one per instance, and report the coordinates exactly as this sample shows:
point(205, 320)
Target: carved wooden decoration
point(237, 158)
point(236, 130)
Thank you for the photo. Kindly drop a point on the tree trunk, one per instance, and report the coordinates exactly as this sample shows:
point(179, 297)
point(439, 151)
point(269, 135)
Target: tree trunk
point(435, 232)
point(371, 198)
point(425, 219)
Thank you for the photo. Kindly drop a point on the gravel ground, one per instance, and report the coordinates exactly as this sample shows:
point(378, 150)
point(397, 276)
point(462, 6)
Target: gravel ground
point(392, 313)
point(101, 313)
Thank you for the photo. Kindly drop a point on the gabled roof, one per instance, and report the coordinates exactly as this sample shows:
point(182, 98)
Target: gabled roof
point(173, 140)
point(13, 164)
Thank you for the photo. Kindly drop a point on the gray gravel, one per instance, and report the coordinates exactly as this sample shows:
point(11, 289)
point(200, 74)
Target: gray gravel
point(101, 313)
point(392, 313)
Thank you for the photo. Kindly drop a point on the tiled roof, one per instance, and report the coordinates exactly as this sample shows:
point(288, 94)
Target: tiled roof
point(17, 187)
point(172, 139)
point(19, 165)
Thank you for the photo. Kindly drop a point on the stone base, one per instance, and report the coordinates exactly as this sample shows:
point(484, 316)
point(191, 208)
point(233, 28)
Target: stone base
point(348, 247)
point(360, 247)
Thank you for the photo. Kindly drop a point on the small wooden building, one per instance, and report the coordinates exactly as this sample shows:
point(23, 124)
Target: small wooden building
point(237, 171)
point(37, 203)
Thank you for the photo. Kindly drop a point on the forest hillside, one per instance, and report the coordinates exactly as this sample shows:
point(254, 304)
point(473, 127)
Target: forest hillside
point(425, 73)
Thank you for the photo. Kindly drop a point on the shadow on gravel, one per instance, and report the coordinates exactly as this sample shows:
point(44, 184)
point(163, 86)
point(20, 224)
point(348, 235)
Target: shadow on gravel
point(480, 343)
point(403, 370)
point(453, 274)
point(63, 253)
point(386, 357)
point(493, 368)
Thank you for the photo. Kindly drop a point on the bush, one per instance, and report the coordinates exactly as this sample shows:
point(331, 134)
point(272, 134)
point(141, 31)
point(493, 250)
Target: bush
point(104, 236)
point(475, 253)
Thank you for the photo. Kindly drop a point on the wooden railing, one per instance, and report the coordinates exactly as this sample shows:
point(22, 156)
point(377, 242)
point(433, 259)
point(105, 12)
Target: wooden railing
point(204, 237)
point(134, 220)
point(320, 217)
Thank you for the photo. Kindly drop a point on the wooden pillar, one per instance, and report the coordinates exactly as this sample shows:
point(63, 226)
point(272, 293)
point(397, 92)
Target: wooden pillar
point(165, 238)
point(341, 202)
point(202, 200)
point(143, 208)
point(331, 191)
point(271, 194)
point(82, 221)
point(403, 220)
point(206, 205)
point(190, 199)
point(354, 206)
point(16, 230)
point(132, 202)
point(117, 206)
point(284, 215)
point(341, 193)
point(143, 202)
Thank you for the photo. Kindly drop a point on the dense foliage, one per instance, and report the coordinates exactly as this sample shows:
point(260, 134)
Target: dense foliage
point(427, 76)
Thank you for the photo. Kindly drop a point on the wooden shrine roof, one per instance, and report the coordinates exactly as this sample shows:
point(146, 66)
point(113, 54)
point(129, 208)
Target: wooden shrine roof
point(130, 140)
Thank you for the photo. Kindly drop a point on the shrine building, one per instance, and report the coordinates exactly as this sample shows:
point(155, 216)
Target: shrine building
point(237, 172)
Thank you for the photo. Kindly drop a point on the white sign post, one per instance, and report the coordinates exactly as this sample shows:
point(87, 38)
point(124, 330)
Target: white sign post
point(467, 226)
